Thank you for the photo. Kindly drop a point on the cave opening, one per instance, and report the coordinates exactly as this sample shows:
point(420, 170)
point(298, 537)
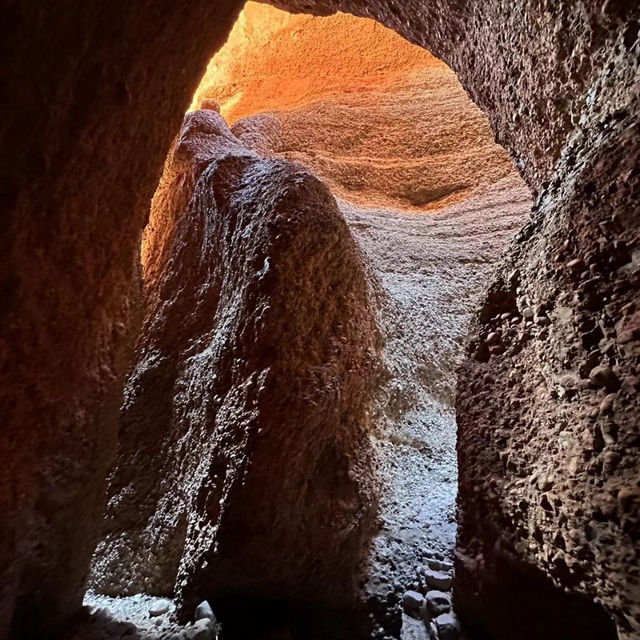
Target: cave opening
point(430, 201)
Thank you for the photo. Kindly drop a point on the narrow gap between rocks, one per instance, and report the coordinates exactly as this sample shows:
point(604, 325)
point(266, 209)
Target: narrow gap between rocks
point(431, 201)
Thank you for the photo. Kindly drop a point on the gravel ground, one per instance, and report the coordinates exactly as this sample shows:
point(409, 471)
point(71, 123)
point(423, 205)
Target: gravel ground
point(107, 618)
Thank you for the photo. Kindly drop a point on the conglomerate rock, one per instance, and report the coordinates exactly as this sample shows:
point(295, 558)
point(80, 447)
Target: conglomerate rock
point(547, 411)
point(244, 464)
point(93, 94)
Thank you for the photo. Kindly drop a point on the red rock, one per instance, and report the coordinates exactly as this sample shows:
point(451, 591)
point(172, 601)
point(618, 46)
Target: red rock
point(244, 465)
point(88, 117)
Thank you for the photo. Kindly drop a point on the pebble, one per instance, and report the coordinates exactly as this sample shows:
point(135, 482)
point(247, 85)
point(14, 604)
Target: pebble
point(448, 627)
point(577, 265)
point(607, 404)
point(603, 376)
point(440, 565)
point(437, 580)
point(413, 603)
point(438, 602)
point(492, 339)
point(204, 610)
point(201, 630)
point(158, 609)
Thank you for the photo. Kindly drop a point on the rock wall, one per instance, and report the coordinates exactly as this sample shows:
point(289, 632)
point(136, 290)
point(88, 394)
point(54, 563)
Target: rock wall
point(380, 120)
point(548, 410)
point(87, 121)
point(88, 117)
point(244, 464)
point(570, 137)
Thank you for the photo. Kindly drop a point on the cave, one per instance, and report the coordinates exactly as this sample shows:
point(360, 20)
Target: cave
point(367, 364)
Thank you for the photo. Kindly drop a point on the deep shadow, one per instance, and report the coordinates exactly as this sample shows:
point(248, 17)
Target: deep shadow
point(536, 608)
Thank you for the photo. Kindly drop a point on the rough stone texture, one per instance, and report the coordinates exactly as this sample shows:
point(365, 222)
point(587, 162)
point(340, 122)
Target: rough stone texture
point(244, 462)
point(529, 64)
point(370, 106)
point(432, 268)
point(87, 119)
point(549, 461)
point(380, 120)
point(549, 489)
point(88, 116)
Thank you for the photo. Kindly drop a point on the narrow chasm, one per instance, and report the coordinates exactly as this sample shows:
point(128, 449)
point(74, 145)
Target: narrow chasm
point(328, 218)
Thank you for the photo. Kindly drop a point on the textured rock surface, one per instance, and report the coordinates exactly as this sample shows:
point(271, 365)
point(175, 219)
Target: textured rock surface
point(244, 462)
point(378, 129)
point(381, 121)
point(531, 65)
point(88, 117)
point(549, 459)
point(87, 122)
point(549, 489)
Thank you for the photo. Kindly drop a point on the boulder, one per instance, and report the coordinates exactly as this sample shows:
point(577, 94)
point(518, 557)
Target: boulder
point(413, 603)
point(448, 627)
point(438, 602)
point(244, 468)
point(437, 580)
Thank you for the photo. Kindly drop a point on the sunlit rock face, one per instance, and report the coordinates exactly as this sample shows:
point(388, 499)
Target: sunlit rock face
point(251, 380)
point(382, 121)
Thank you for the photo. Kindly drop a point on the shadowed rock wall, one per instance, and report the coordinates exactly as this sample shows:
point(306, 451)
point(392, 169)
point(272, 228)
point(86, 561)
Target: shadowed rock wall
point(548, 416)
point(87, 121)
point(244, 463)
point(89, 114)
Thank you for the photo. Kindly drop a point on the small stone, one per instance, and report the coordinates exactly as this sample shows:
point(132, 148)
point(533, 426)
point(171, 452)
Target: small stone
point(609, 431)
point(211, 105)
point(577, 265)
point(438, 602)
point(492, 338)
point(603, 376)
point(201, 630)
point(437, 580)
point(607, 404)
point(527, 313)
point(204, 610)
point(446, 566)
point(158, 609)
point(448, 627)
point(631, 384)
point(413, 603)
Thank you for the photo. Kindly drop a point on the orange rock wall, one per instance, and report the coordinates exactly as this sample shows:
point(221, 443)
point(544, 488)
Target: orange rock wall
point(277, 60)
point(367, 111)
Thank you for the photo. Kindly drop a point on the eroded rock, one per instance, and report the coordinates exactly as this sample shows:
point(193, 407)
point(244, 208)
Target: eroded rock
point(244, 465)
point(540, 468)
